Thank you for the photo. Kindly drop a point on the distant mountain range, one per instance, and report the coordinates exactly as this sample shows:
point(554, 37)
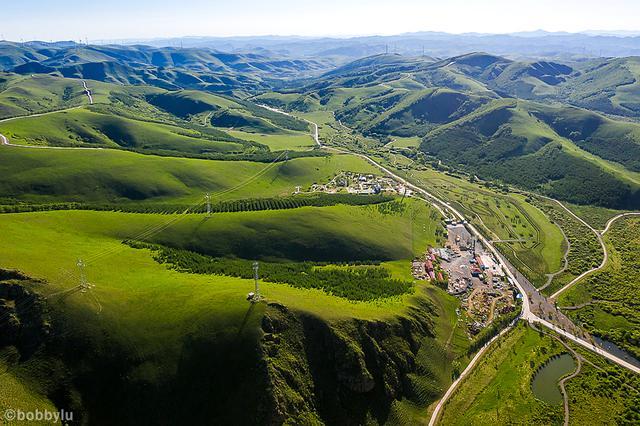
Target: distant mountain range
point(533, 44)
point(168, 67)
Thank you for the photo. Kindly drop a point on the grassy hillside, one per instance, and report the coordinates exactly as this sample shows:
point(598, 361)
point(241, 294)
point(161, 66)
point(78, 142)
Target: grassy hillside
point(607, 85)
point(190, 317)
point(83, 127)
point(410, 114)
point(223, 110)
point(45, 176)
point(143, 118)
point(606, 301)
point(505, 141)
point(21, 95)
point(617, 141)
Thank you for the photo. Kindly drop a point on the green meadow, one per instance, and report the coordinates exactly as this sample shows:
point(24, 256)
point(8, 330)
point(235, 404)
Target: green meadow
point(43, 176)
point(140, 309)
point(498, 389)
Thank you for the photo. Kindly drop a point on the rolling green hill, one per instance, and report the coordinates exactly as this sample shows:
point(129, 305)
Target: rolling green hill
point(506, 142)
point(190, 318)
point(167, 68)
point(20, 95)
point(414, 114)
point(111, 176)
point(84, 127)
point(146, 119)
point(609, 85)
point(617, 141)
point(344, 334)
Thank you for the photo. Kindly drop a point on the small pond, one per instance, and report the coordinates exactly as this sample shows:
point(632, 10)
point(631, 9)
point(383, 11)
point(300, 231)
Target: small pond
point(545, 383)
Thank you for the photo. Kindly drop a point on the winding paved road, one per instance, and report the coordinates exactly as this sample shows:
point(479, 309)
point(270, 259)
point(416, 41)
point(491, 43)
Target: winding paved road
point(526, 313)
point(87, 91)
point(5, 140)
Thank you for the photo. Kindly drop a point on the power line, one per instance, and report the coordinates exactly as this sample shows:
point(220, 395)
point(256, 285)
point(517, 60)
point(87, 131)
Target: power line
point(154, 229)
point(84, 286)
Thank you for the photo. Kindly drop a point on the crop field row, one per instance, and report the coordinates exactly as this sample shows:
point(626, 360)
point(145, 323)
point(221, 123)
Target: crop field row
point(242, 205)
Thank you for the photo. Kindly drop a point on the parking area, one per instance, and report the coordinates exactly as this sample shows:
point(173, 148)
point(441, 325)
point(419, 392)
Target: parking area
point(476, 278)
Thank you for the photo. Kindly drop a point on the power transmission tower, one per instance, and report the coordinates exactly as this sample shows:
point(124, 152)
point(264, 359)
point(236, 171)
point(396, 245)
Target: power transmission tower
point(208, 198)
point(286, 156)
point(84, 285)
point(256, 293)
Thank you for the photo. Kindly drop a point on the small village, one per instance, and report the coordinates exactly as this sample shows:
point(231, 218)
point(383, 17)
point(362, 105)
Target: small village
point(470, 273)
point(360, 183)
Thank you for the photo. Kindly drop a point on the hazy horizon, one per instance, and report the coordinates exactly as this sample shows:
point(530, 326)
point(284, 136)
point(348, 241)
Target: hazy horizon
point(147, 19)
point(589, 32)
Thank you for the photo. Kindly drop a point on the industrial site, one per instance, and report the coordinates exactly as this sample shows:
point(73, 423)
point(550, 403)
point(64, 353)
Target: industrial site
point(470, 272)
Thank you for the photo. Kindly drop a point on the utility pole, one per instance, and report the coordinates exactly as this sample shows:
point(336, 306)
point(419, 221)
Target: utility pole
point(208, 198)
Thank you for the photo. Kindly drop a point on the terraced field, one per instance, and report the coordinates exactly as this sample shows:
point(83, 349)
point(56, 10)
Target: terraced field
point(523, 233)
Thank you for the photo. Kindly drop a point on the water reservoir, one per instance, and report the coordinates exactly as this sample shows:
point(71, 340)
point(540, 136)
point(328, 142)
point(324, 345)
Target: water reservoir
point(545, 382)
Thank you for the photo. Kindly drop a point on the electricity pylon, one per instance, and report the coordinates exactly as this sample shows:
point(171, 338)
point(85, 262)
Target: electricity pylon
point(208, 198)
point(84, 285)
point(256, 265)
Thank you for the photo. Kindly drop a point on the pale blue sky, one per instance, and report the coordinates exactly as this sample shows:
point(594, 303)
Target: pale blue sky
point(114, 19)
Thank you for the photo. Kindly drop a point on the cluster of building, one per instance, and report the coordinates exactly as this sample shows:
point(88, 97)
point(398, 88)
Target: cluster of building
point(360, 183)
point(476, 277)
point(424, 268)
